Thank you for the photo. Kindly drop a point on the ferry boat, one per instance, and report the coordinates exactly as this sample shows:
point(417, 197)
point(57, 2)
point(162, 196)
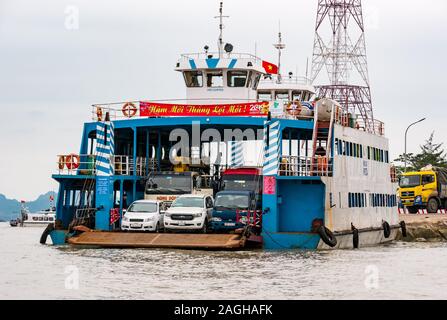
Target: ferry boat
point(326, 179)
point(40, 218)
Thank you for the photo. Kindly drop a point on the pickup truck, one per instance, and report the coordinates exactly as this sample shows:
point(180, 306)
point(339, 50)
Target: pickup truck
point(189, 213)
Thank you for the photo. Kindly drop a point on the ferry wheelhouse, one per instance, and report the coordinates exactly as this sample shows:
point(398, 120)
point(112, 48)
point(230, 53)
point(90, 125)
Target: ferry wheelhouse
point(325, 175)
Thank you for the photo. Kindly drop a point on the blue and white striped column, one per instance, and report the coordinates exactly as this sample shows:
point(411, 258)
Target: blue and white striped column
point(237, 154)
point(272, 148)
point(105, 148)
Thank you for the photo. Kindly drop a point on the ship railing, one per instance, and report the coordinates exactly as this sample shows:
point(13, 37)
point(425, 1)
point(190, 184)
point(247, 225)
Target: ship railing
point(302, 166)
point(206, 55)
point(73, 164)
point(355, 121)
point(301, 80)
point(125, 165)
point(85, 213)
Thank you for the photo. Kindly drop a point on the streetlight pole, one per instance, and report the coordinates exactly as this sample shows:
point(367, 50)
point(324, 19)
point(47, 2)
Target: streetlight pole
point(406, 134)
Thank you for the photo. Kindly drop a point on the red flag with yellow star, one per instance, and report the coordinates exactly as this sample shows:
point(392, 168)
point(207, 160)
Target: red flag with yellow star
point(270, 68)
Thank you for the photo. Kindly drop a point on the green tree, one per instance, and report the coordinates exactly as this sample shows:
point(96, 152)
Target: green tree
point(431, 153)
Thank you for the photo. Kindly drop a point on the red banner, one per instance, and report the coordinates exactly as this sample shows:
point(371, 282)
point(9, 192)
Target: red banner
point(154, 109)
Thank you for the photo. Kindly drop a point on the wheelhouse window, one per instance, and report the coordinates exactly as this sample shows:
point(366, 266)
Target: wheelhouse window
point(237, 79)
point(257, 78)
point(264, 96)
point(193, 79)
point(214, 79)
point(284, 96)
point(297, 95)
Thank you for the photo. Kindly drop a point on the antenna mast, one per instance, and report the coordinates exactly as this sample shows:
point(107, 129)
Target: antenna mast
point(343, 20)
point(221, 27)
point(279, 46)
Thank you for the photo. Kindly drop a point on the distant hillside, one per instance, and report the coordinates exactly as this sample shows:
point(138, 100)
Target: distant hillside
point(10, 209)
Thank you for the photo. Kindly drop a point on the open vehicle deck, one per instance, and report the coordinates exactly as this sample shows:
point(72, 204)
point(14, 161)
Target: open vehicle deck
point(160, 240)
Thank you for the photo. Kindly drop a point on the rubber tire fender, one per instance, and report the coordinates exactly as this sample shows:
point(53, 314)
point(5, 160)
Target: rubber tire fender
point(403, 226)
point(327, 236)
point(46, 233)
point(386, 229)
point(355, 238)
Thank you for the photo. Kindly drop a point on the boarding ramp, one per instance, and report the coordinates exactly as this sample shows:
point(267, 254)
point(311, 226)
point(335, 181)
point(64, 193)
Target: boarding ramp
point(191, 241)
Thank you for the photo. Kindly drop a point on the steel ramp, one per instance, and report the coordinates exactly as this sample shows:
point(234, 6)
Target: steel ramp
point(159, 240)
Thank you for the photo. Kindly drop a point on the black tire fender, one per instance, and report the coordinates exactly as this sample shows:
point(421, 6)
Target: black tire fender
point(355, 238)
point(403, 227)
point(327, 236)
point(46, 233)
point(386, 229)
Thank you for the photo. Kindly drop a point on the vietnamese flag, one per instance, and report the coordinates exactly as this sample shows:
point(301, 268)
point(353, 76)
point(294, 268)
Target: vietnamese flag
point(270, 68)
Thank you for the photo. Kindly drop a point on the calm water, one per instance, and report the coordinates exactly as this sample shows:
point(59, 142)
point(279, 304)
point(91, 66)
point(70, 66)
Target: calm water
point(31, 271)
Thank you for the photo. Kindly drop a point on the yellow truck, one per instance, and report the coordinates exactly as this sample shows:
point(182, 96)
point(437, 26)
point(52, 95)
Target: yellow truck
point(426, 189)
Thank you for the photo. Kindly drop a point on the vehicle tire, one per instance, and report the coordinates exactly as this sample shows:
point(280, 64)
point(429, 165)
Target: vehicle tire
point(433, 205)
point(157, 227)
point(413, 210)
point(327, 236)
point(386, 229)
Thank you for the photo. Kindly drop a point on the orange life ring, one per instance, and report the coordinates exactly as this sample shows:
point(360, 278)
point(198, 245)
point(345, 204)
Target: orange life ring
point(72, 161)
point(99, 113)
point(294, 111)
point(129, 110)
point(61, 162)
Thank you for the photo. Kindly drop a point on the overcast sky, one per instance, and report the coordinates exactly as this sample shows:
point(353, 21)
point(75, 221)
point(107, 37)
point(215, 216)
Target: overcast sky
point(127, 50)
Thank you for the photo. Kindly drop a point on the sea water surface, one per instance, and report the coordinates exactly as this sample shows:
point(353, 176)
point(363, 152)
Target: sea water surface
point(29, 270)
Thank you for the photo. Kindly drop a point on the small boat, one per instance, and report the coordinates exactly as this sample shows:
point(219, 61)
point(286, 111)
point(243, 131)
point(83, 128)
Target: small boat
point(14, 223)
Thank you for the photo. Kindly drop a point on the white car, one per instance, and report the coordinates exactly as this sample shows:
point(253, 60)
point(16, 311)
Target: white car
point(189, 212)
point(143, 215)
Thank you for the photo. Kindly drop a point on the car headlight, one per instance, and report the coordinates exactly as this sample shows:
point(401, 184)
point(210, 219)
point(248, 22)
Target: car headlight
point(216, 219)
point(418, 199)
point(149, 219)
point(197, 215)
point(125, 219)
point(167, 214)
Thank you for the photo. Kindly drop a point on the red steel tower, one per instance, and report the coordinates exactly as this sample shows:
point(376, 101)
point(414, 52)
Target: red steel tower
point(338, 22)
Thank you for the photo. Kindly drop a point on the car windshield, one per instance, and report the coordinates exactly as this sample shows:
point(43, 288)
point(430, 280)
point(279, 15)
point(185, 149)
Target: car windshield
point(232, 201)
point(189, 202)
point(410, 181)
point(143, 207)
point(240, 183)
point(169, 184)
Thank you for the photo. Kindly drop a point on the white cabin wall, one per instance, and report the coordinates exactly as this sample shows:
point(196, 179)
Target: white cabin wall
point(349, 176)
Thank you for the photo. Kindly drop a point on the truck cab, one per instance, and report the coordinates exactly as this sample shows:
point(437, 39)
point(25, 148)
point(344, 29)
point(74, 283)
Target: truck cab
point(227, 205)
point(425, 189)
point(168, 186)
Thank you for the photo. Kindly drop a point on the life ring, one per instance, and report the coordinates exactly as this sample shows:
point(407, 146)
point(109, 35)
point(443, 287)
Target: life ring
point(61, 162)
point(99, 113)
point(294, 108)
point(72, 161)
point(386, 229)
point(403, 226)
point(129, 110)
point(327, 236)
